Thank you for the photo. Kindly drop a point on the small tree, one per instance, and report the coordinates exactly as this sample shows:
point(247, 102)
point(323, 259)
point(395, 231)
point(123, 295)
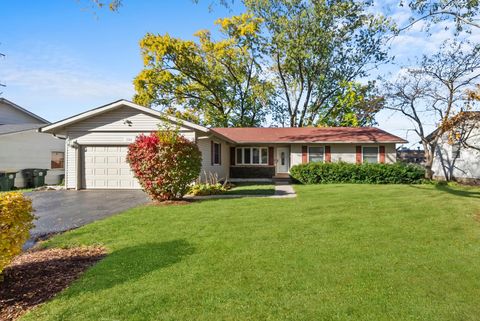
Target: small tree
point(165, 163)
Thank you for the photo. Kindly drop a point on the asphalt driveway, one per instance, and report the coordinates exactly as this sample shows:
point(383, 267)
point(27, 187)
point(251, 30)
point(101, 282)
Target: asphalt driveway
point(58, 211)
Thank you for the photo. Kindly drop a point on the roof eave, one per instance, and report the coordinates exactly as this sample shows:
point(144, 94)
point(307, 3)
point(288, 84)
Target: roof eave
point(322, 142)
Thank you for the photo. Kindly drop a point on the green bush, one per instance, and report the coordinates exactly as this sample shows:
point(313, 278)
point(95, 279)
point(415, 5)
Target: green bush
point(323, 173)
point(207, 189)
point(15, 223)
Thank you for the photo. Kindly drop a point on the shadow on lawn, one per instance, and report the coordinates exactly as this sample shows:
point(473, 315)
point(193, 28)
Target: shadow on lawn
point(248, 192)
point(458, 192)
point(454, 191)
point(134, 262)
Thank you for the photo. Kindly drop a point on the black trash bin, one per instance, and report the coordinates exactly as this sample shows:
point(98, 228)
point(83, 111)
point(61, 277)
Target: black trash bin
point(7, 180)
point(34, 177)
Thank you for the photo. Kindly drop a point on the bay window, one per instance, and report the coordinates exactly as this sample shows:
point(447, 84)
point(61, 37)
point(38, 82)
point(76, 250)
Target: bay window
point(252, 156)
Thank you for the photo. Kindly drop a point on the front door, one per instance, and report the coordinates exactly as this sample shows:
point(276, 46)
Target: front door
point(283, 159)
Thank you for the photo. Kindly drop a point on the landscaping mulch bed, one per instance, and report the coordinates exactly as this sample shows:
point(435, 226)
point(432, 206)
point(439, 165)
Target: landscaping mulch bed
point(36, 276)
point(173, 202)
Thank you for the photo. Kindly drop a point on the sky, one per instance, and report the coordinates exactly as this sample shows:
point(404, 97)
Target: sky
point(63, 57)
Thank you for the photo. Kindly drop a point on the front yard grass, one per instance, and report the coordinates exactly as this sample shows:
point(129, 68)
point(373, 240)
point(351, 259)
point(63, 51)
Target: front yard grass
point(251, 189)
point(336, 252)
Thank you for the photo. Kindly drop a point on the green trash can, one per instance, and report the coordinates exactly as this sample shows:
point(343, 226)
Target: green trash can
point(39, 177)
point(7, 180)
point(34, 177)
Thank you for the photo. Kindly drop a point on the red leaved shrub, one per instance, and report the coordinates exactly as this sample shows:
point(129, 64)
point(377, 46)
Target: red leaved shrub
point(165, 163)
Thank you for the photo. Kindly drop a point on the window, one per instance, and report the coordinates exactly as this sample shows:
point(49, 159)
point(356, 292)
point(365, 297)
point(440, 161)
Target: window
point(264, 159)
point(216, 154)
point(239, 155)
point(58, 160)
point(456, 147)
point(252, 155)
point(315, 154)
point(255, 156)
point(370, 155)
point(247, 156)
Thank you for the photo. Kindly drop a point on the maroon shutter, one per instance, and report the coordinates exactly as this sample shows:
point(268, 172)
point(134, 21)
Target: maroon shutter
point(358, 157)
point(270, 155)
point(304, 154)
point(328, 154)
point(232, 156)
point(212, 154)
point(382, 154)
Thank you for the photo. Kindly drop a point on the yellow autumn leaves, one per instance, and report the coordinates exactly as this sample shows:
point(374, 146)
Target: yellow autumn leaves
point(15, 223)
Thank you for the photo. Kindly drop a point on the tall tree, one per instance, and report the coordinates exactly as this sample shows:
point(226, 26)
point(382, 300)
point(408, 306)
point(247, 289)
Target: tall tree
point(435, 92)
point(354, 105)
point(464, 13)
point(218, 82)
point(315, 48)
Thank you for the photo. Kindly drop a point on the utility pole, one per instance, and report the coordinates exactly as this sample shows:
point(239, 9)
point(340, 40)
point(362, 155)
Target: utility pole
point(1, 83)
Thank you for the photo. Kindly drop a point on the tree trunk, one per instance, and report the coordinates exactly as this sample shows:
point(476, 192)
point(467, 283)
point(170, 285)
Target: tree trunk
point(429, 153)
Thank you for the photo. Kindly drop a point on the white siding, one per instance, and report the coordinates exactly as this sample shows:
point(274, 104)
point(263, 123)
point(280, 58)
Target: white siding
point(120, 119)
point(343, 152)
point(467, 166)
point(70, 165)
point(221, 171)
point(30, 149)
point(11, 115)
point(118, 127)
point(113, 138)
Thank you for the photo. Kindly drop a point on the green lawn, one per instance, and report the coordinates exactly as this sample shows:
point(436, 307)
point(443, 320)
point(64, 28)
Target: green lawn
point(252, 189)
point(336, 252)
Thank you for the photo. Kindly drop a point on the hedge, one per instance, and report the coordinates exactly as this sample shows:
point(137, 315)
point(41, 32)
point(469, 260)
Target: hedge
point(323, 173)
point(15, 223)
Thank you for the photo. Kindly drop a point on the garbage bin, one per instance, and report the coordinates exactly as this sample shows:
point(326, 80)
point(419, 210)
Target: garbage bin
point(7, 180)
point(34, 177)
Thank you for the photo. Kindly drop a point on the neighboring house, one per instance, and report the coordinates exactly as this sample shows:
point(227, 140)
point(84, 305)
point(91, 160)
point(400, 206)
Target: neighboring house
point(411, 156)
point(22, 146)
point(97, 140)
point(457, 157)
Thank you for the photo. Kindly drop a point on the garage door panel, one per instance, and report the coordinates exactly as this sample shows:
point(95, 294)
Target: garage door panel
point(107, 167)
point(98, 172)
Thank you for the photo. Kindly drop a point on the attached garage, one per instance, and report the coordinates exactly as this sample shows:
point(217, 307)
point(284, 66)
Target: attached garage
point(96, 143)
point(106, 167)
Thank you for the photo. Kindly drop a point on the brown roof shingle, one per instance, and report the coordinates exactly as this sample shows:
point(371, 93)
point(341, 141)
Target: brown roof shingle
point(308, 135)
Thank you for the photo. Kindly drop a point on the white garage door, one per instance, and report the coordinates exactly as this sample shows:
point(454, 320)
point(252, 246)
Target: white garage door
point(107, 167)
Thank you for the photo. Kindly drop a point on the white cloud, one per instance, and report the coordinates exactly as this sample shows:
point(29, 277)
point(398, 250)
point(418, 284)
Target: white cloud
point(67, 83)
point(57, 71)
point(55, 82)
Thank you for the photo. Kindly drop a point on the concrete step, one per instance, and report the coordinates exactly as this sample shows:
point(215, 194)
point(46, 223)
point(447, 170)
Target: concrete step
point(282, 180)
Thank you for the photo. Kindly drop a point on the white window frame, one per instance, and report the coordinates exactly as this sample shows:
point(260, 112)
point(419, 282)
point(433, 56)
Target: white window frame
point(378, 154)
point(308, 152)
point(219, 153)
point(251, 156)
